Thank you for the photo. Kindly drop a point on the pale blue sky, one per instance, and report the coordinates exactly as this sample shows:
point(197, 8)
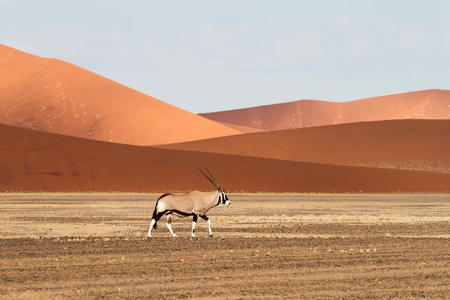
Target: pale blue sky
point(211, 55)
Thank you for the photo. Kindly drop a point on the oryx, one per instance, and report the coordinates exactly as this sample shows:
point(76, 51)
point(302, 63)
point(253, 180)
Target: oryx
point(195, 204)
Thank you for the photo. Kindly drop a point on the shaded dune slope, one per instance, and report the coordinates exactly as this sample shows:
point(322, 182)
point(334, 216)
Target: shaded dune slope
point(54, 96)
point(38, 161)
point(398, 144)
point(427, 104)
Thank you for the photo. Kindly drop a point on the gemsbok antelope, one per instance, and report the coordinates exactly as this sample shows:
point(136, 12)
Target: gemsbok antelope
point(195, 204)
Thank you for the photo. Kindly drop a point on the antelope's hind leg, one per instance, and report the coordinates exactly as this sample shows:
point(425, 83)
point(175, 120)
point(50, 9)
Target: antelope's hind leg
point(153, 223)
point(169, 224)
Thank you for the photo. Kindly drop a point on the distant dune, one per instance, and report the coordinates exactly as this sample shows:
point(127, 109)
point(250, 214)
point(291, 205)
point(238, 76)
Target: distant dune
point(39, 161)
point(63, 128)
point(421, 145)
point(54, 96)
point(428, 104)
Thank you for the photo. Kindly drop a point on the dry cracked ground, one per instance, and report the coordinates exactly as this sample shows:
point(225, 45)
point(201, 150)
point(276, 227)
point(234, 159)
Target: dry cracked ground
point(265, 246)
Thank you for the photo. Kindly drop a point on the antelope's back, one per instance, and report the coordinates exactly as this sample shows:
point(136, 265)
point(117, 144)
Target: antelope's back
point(185, 202)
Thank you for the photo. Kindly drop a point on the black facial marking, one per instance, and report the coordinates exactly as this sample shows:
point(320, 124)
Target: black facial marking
point(223, 196)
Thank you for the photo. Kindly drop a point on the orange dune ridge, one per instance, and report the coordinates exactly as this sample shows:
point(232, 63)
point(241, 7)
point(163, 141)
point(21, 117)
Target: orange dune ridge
point(427, 104)
point(54, 96)
point(63, 128)
point(39, 161)
point(421, 145)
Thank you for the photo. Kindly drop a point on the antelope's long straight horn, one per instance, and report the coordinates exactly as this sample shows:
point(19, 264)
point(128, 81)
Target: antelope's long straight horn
point(215, 184)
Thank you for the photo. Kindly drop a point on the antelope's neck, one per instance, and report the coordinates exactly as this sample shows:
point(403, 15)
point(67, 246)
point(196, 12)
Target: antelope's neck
point(220, 198)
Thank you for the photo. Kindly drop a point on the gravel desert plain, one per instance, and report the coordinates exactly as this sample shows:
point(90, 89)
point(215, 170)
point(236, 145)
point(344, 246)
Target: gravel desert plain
point(272, 246)
point(329, 200)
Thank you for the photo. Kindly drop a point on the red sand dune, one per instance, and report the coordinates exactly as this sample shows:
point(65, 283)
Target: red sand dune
point(39, 161)
point(88, 112)
point(397, 144)
point(428, 104)
point(54, 96)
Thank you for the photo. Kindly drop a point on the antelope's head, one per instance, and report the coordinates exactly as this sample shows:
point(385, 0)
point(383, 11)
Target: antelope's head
point(222, 195)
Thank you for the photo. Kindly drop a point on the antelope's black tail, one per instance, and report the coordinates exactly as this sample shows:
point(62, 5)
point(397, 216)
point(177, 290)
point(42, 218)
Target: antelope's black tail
point(155, 213)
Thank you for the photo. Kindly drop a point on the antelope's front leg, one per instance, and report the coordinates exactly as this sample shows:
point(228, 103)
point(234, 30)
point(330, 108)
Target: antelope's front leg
point(194, 221)
point(209, 223)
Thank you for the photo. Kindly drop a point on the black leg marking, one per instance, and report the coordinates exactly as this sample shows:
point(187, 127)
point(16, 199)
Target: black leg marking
point(204, 217)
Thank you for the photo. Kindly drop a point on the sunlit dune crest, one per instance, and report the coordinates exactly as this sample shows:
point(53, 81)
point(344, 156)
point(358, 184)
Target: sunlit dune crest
point(54, 96)
point(427, 104)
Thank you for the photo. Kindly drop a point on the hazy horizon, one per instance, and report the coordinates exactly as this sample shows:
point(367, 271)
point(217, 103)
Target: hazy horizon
point(205, 56)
